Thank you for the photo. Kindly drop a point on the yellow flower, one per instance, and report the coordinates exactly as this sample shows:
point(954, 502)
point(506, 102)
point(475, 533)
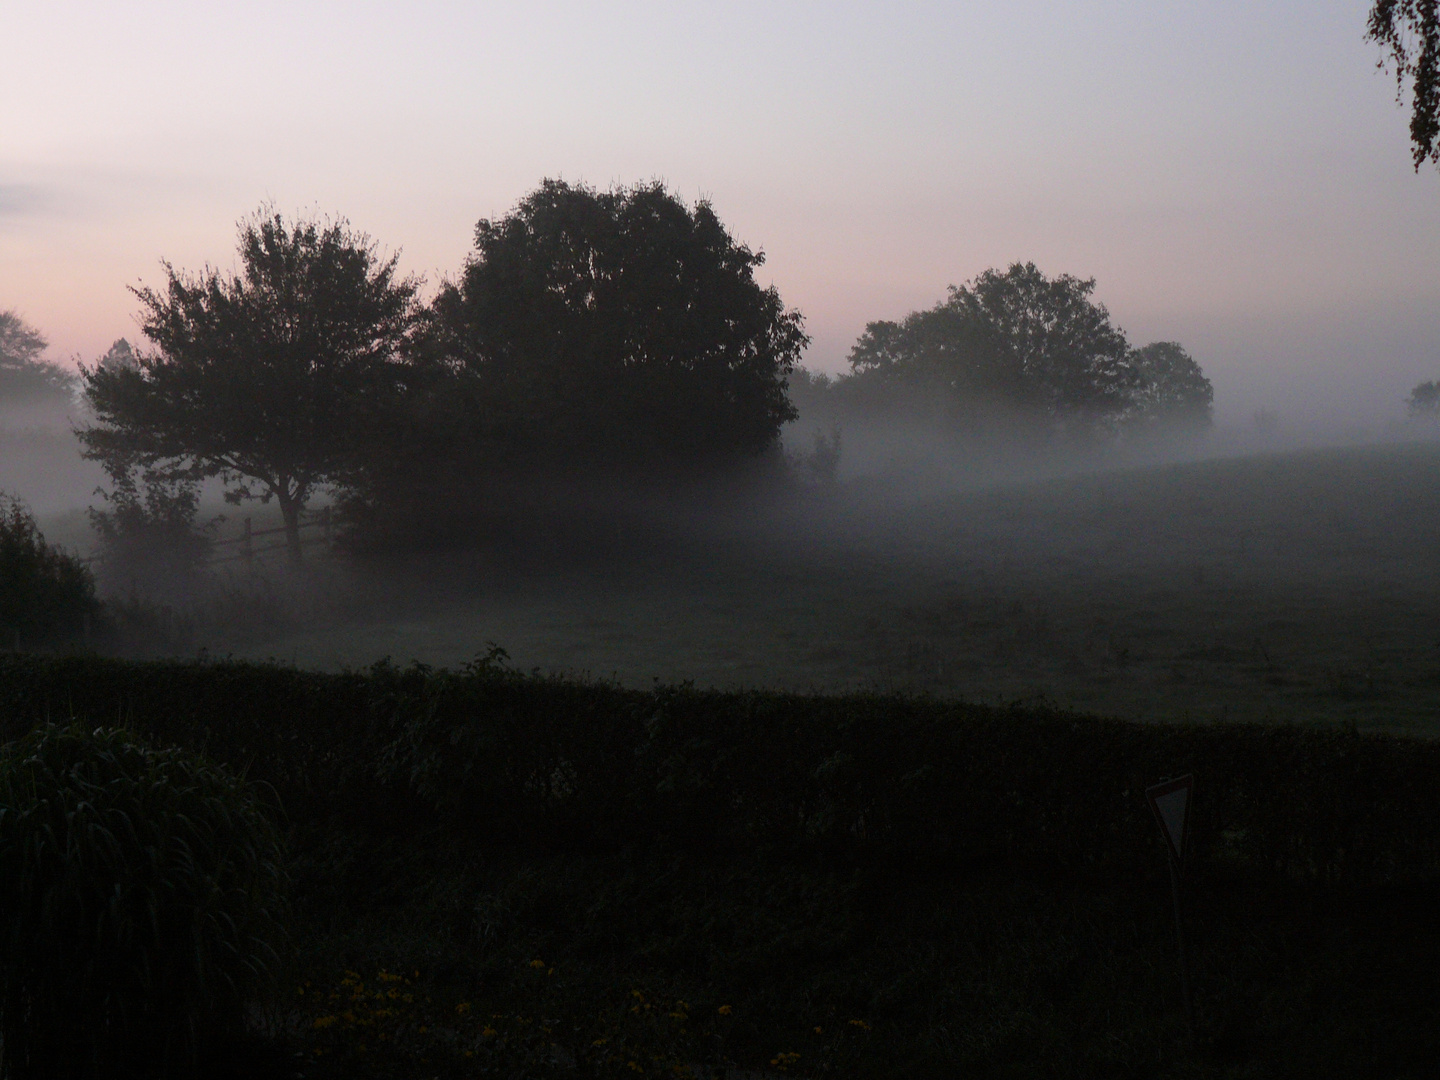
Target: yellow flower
point(537, 963)
point(861, 1024)
point(323, 1022)
point(488, 1032)
point(725, 1010)
point(817, 1031)
point(463, 1008)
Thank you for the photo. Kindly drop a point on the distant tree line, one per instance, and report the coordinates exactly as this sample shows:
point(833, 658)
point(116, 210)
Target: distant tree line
point(1016, 352)
point(594, 342)
point(25, 377)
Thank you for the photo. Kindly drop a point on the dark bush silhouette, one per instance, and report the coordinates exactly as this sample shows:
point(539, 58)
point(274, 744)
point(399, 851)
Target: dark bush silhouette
point(46, 595)
point(143, 892)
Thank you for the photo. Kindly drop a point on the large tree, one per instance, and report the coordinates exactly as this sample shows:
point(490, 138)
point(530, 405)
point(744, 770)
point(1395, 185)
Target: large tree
point(621, 329)
point(1016, 339)
point(266, 377)
point(1409, 31)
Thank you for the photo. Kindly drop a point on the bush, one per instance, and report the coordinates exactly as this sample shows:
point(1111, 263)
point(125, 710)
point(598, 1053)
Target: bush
point(140, 909)
point(45, 593)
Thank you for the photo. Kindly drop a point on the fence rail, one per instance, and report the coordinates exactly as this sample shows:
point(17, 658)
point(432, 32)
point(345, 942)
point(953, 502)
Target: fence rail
point(245, 542)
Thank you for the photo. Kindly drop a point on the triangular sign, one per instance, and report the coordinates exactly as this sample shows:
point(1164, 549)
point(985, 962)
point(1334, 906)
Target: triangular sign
point(1171, 803)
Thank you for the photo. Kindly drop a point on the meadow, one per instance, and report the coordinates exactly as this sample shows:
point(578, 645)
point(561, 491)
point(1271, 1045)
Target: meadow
point(1299, 586)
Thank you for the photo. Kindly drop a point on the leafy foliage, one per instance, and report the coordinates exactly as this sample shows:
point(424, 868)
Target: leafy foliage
point(1014, 351)
point(142, 904)
point(148, 535)
point(622, 326)
point(1409, 31)
point(561, 763)
point(598, 346)
point(1171, 391)
point(45, 593)
point(1424, 401)
point(24, 377)
point(1016, 341)
point(263, 378)
point(857, 885)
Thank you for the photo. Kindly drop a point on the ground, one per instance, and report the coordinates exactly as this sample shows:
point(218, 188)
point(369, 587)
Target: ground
point(1296, 587)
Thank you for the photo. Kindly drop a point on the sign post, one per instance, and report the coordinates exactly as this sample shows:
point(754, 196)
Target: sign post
point(1170, 801)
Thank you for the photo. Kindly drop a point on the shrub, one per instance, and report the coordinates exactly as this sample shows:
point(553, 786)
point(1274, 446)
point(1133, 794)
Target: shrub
point(45, 593)
point(140, 905)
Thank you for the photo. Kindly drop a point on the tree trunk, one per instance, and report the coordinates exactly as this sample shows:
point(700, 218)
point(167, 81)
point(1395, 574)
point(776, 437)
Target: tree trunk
point(290, 509)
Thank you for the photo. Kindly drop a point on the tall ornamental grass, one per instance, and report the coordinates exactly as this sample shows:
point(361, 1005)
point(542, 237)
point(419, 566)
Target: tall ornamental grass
point(141, 903)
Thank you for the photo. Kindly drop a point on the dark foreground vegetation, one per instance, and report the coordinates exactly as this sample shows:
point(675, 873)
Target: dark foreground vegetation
point(502, 874)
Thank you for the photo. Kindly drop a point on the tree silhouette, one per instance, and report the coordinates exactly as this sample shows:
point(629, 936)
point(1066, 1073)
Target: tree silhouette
point(1034, 345)
point(264, 378)
point(1171, 391)
point(24, 377)
point(620, 328)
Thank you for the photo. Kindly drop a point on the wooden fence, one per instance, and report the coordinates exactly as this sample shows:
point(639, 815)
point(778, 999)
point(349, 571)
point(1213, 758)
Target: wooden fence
point(245, 542)
point(252, 543)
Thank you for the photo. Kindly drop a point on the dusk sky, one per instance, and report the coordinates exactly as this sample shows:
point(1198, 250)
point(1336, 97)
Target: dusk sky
point(1236, 176)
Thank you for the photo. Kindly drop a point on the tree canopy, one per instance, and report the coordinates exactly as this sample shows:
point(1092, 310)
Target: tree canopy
point(24, 376)
point(1016, 340)
point(1424, 401)
point(263, 377)
point(1409, 32)
point(618, 328)
point(1021, 346)
point(1171, 391)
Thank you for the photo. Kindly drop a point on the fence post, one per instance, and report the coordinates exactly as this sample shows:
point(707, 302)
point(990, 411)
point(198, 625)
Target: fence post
point(246, 551)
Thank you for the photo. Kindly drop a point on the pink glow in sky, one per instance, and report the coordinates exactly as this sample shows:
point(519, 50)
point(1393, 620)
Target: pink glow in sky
point(1236, 176)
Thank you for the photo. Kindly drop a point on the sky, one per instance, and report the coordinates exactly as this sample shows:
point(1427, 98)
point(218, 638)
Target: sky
point(1237, 177)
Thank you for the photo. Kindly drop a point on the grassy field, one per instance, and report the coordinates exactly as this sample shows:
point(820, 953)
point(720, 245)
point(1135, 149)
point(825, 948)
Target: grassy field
point(1297, 587)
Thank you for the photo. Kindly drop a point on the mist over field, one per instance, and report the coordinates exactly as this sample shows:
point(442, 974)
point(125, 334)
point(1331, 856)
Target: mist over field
point(1246, 574)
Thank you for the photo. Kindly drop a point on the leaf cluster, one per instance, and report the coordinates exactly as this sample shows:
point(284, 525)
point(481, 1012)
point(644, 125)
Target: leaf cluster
point(269, 378)
point(552, 763)
point(1409, 32)
point(142, 907)
point(24, 376)
point(45, 593)
point(1021, 348)
point(621, 325)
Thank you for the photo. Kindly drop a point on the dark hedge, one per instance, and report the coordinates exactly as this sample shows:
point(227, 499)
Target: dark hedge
point(550, 763)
